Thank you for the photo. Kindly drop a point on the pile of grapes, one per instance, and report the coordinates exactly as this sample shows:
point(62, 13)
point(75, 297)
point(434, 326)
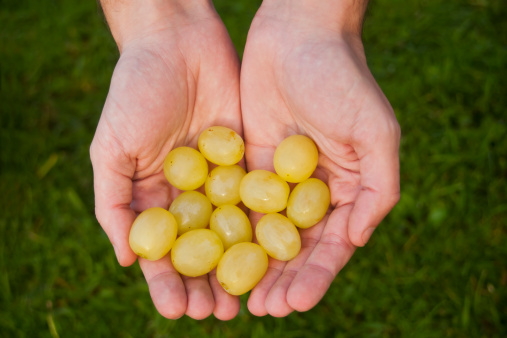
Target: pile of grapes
point(204, 231)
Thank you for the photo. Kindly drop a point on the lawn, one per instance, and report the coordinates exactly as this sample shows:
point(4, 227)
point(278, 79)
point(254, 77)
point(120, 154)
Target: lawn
point(436, 267)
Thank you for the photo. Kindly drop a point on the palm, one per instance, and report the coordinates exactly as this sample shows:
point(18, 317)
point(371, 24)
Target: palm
point(314, 83)
point(153, 106)
point(163, 93)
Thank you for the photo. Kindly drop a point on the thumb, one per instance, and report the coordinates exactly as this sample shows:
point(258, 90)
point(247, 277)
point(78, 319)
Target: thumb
point(113, 195)
point(379, 169)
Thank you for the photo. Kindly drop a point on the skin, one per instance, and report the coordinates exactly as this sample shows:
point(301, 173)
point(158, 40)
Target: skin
point(175, 76)
point(305, 72)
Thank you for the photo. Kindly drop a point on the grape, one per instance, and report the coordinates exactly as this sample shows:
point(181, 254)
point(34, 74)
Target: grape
point(197, 252)
point(185, 168)
point(222, 184)
point(221, 145)
point(153, 233)
point(241, 267)
point(231, 224)
point(192, 210)
point(264, 191)
point(308, 203)
point(278, 236)
point(296, 158)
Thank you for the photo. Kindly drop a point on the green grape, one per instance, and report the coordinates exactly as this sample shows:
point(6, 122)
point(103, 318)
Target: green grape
point(231, 224)
point(185, 168)
point(192, 210)
point(197, 252)
point(221, 145)
point(264, 191)
point(296, 158)
point(153, 233)
point(222, 184)
point(241, 267)
point(278, 236)
point(308, 203)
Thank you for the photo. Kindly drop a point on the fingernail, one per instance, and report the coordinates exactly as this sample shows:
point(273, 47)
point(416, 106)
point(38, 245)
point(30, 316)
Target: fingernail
point(367, 234)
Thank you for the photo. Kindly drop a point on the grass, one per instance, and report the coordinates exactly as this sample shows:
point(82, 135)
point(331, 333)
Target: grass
point(435, 268)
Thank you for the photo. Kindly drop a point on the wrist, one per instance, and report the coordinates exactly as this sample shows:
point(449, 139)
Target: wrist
point(137, 19)
point(342, 16)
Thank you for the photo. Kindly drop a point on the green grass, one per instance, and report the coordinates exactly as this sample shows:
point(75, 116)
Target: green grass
point(437, 266)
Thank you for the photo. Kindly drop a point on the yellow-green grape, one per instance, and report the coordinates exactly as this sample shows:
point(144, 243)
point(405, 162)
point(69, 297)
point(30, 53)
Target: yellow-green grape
point(241, 267)
point(308, 203)
point(197, 252)
point(296, 158)
point(153, 233)
point(278, 236)
point(264, 191)
point(221, 145)
point(185, 168)
point(222, 184)
point(192, 210)
point(231, 224)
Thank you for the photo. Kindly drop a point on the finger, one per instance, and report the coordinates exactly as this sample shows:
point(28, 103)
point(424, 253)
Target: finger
point(379, 169)
point(113, 195)
point(329, 256)
point(166, 287)
point(200, 302)
point(226, 305)
point(276, 302)
point(257, 299)
point(260, 156)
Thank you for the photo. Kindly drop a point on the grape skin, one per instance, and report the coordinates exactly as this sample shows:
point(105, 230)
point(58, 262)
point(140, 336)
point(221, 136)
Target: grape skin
point(221, 145)
point(222, 184)
point(192, 210)
point(197, 252)
point(296, 158)
point(308, 203)
point(185, 168)
point(231, 224)
point(153, 233)
point(278, 236)
point(264, 191)
point(241, 267)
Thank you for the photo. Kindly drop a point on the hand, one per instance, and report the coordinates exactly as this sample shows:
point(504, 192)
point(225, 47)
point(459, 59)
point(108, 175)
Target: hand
point(308, 75)
point(175, 77)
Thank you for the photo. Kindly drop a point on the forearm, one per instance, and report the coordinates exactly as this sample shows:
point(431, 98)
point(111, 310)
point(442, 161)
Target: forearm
point(134, 19)
point(344, 16)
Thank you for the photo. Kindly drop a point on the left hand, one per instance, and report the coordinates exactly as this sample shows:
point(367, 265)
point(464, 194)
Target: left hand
point(300, 77)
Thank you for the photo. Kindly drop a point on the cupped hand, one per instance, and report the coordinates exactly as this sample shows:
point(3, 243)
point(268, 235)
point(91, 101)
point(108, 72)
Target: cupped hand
point(302, 77)
point(167, 86)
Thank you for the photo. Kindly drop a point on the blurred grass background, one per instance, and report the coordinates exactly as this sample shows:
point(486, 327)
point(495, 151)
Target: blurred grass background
point(437, 267)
